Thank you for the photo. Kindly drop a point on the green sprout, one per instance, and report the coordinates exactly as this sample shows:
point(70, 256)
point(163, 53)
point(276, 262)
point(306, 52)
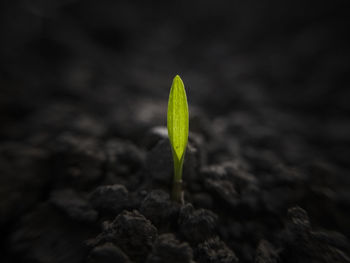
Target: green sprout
point(178, 132)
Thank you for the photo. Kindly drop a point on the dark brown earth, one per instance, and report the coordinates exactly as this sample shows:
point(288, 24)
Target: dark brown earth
point(85, 163)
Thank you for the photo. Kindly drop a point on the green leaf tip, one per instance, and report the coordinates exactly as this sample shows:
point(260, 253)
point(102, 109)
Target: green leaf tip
point(178, 123)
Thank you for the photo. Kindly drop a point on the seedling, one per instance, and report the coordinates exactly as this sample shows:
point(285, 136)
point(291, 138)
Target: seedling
point(178, 133)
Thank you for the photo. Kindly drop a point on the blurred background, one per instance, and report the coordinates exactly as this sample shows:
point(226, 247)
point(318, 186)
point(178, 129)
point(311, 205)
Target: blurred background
point(116, 59)
point(292, 54)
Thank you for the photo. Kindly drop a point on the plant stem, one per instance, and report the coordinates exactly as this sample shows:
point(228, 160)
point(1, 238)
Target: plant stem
point(177, 192)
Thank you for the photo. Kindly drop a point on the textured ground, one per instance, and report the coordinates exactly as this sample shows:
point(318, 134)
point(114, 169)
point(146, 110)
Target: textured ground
point(85, 164)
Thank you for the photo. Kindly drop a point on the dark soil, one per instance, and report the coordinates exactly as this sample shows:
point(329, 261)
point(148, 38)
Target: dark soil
point(85, 162)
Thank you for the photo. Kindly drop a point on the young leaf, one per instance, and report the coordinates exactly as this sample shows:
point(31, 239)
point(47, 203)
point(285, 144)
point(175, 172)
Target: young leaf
point(178, 124)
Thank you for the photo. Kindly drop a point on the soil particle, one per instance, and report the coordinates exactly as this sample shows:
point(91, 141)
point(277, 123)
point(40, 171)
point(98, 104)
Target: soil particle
point(48, 236)
point(110, 199)
point(158, 208)
point(78, 161)
point(237, 172)
point(123, 157)
point(168, 249)
point(304, 245)
point(214, 250)
point(107, 253)
point(75, 206)
point(130, 231)
point(223, 189)
point(286, 183)
point(266, 253)
point(217, 183)
point(298, 223)
point(196, 225)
